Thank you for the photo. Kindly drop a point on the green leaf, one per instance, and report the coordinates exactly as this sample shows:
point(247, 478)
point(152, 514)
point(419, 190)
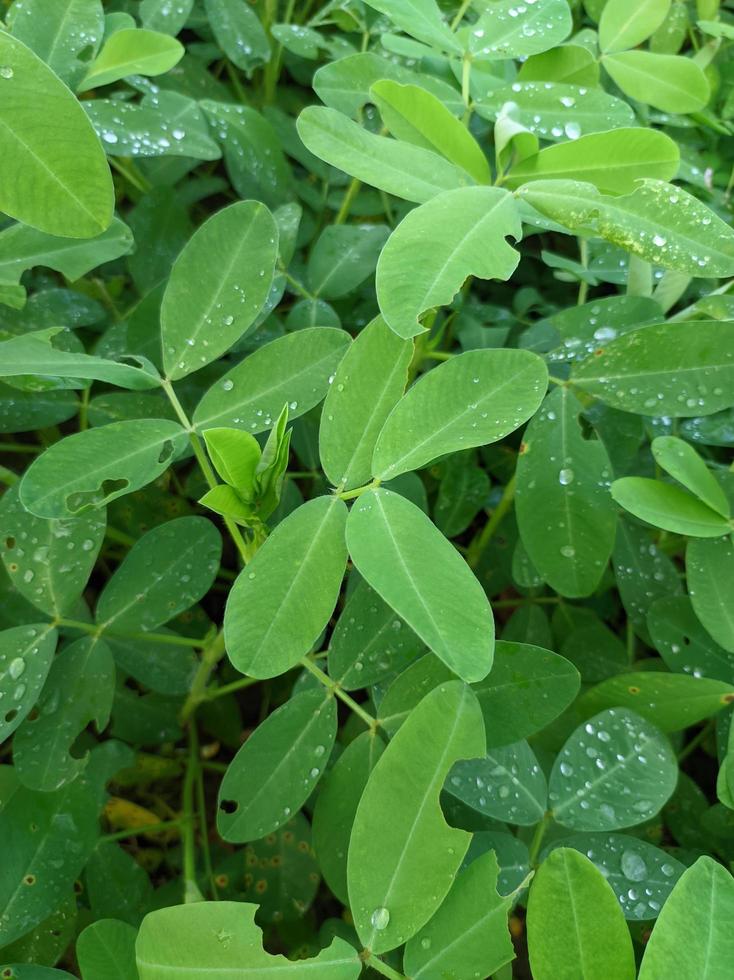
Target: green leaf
point(507, 784)
point(23, 247)
point(627, 23)
point(281, 602)
point(526, 689)
point(232, 258)
point(422, 19)
point(293, 370)
point(564, 511)
point(55, 175)
point(414, 115)
point(239, 33)
point(367, 385)
point(162, 15)
point(27, 971)
point(612, 161)
point(407, 171)
point(221, 937)
point(670, 701)
point(710, 572)
point(93, 467)
point(683, 643)
point(133, 51)
point(508, 30)
point(48, 562)
point(235, 456)
point(700, 909)
point(667, 506)
point(682, 462)
point(644, 573)
point(676, 369)
point(665, 81)
point(333, 816)
point(106, 951)
point(117, 886)
point(616, 770)
point(468, 935)
point(570, 63)
point(402, 854)
point(641, 876)
point(474, 222)
point(60, 32)
point(79, 690)
point(343, 257)
point(576, 928)
point(402, 555)
point(26, 653)
point(463, 492)
point(164, 573)
point(277, 768)
point(659, 223)
point(473, 399)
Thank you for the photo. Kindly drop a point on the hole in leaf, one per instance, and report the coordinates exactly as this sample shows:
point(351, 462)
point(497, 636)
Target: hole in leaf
point(10, 543)
point(228, 806)
point(83, 499)
point(166, 451)
point(11, 715)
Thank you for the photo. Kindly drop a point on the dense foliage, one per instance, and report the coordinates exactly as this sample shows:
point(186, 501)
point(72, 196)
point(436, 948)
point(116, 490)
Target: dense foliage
point(335, 338)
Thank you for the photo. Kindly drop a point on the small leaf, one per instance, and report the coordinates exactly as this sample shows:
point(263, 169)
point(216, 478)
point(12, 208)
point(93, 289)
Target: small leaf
point(132, 52)
point(667, 506)
point(26, 653)
point(682, 462)
point(684, 644)
point(422, 19)
point(239, 33)
point(507, 784)
point(402, 854)
point(343, 257)
point(277, 768)
point(106, 951)
point(710, 571)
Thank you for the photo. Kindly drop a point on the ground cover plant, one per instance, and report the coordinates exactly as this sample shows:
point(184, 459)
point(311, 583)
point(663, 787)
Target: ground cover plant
point(366, 413)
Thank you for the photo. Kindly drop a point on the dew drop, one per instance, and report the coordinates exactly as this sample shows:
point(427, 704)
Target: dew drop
point(633, 866)
point(380, 919)
point(566, 476)
point(16, 668)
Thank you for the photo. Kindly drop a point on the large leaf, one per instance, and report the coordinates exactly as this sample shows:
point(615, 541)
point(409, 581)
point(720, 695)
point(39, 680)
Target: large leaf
point(473, 399)
point(408, 171)
point(710, 571)
point(61, 32)
point(26, 653)
point(419, 270)
point(95, 466)
point(221, 938)
point(367, 385)
point(576, 928)
point(666, 81)
point(282, 601)
point(660, 223)
point(565, 513)
point(239, 32)
point(510, 30)
point(419, 573)
point(55, 175)
point(402, 854)
point(615, 770)
point(277, 768)
point(627, 23)
point(231, 257)
point(293, 370)
point(422, 19)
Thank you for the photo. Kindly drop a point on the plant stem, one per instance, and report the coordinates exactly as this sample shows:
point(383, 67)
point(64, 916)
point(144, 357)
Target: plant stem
point(351, 494)
point(332, 686)
point(346, 204)
point(212, 693)
point(191, 889)
point(697, 739)
point(209, 659)
point(583, 285)
point(460, 14)
point(369, 959)
point(94, 629)
point(131, 174)
point(480, 542)
point(537, 840)
point(151, 828)
point(19, 447)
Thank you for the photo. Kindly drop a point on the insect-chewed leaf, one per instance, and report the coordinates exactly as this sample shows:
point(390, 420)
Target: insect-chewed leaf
point(616, 770)
point(231, 257)
point(626, 23)
point(61, 32)
point(710, 570)
point(367, 385)
point(402, 854)
point(79, 689)
point(469, 932)
point(506, 784)
point(277, 768)
point(510, 30)
point(641, 875)
point(293, 370)
point(560, 472)
point(106, 951)
point(419, 573)
point(26, 653)
point(575, 925)
point(667, 506)
point(658, 222)
point(55, 175)
point(665, 81)
point(282, 601)
point(165, 572)
point(239, 33)
point(192, 940)
point(336, 805)
point(700, 908)
point(419, 270)
point(49, 561)
point(132, 51)
point(473, 399)
point(95, 466)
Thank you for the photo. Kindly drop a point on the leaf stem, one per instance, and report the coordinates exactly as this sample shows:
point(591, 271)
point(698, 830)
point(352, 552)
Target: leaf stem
point(379, 966)
point(331, 685)
point(697, 739)
point(352, 191)
point(150, 828)
point(191, 889)
point(537, 840)
point(212, 693)
point(211, 656)
point(94, 629)
point(460, 14)
point(351, 494)
point(480, 542)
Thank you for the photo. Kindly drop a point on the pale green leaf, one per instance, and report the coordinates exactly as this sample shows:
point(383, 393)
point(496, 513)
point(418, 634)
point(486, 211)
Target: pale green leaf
point(422, 19)
point(682, 462)
point(667, 506)
point(62, 33)
point(132, 51)
point(239, 32)
point(668, 82)
point(510, 30)
point(627, 23)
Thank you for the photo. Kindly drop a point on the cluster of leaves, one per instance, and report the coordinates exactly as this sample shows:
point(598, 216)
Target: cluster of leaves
point(338, 335)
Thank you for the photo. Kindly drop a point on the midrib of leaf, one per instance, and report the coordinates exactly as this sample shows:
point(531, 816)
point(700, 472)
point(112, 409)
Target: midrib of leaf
point(643, 76)
point(345, 257)
point(516, 782)
point(565, 495)
point(577, 931)
point(462, 936)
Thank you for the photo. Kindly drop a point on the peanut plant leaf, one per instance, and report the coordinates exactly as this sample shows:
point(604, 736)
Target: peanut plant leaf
point(135, 51)
point(26, 653)
point(665, 81)
point(367, 385)
point(106, 951)
point(162, 15)
point(575, 925)
point(61, 32)
point(625, 23)
point(281, 602)
point(239, 33)
point(507, 784)
point(476, 223)
point(667, 506)
point(473, 399)
point(93, 467)
point(506, 30)
point(422, 19)
point(413, 567)
point(276, 770)
point(710, 571)
point(683, 642)
point(682, 462)
point(56, 177)
point(343, 257)
point(402, 854)
point(232, 258)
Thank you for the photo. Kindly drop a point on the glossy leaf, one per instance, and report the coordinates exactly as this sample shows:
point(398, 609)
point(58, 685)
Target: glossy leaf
point(506, 30)
point(61, 32)
point(665, 81)
point(132, 52)
point(682, 462)
point(667, 506)
point(709, 566)
point(421, 19)
point(26, 653)
point(684, 644)
point(239, 33)
point(507, 784)
point(626, 23)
